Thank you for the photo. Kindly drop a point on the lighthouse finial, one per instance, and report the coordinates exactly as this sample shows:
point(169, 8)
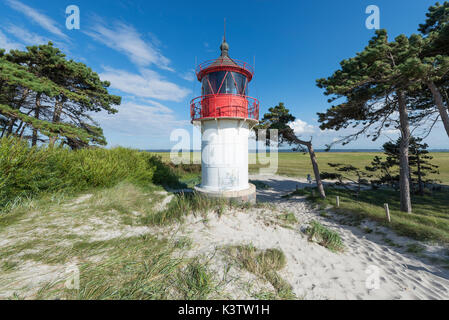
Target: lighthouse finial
point(224, 45)
point(224, 37)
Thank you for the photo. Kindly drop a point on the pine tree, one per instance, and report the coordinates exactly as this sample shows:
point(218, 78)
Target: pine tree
point(419, 161)
point(385, 168)
point(421, 166)
point(346, 172)
point(40, 89)
point(431, 64)
point(375, 91)
point(279, 118)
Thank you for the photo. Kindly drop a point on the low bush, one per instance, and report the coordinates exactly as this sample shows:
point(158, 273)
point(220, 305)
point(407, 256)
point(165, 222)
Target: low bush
point(28, 171)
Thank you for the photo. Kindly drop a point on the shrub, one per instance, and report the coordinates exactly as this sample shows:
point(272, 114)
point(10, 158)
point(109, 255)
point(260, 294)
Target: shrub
point(22, 170)
point(163, 175)
point(27, 171)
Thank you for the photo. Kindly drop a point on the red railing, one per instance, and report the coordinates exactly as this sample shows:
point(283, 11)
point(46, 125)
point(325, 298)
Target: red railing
point(205, 65)
point(224, 106)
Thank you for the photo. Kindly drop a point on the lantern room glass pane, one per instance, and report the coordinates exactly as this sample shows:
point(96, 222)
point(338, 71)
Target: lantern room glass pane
point(240, 80)
point(234, 83)
point(228, 85)
point(215, 79)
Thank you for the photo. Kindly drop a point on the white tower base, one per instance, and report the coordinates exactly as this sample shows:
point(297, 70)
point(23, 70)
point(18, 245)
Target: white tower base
point(224, 159)
point(248, 195)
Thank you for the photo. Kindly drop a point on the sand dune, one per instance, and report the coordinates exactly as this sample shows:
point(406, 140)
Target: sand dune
point(314, 271)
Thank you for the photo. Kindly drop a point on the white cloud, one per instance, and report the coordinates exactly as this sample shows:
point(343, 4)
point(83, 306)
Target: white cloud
point(126, 39)
point(26, 36)
point(189, 76)
point(44, 21)
point(148, 84)
point(6, 44)
point(301, 127)
point(141, 119)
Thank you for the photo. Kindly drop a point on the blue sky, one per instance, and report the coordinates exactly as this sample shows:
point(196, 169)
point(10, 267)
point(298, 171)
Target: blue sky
point(148, 49)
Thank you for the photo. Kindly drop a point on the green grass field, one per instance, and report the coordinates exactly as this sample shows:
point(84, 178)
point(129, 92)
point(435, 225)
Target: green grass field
point(430, 218)
point(298, 164)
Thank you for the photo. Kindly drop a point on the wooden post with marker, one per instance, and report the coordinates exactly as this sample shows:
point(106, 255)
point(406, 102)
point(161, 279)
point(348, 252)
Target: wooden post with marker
point(387, 212)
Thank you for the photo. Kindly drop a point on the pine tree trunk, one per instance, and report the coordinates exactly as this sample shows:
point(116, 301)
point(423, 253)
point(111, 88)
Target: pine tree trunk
point(36, 115)
point(404, 175)
point(316, 171)
point(19, 127)
point(359, 186)
point(56, 118)
point(10, 127)
point(440, 105)
point(22, 132)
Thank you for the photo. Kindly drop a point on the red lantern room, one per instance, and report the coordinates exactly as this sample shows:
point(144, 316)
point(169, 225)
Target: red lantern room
point(224, 89)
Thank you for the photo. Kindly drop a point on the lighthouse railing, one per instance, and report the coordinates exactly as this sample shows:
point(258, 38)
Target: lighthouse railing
point(224, 106)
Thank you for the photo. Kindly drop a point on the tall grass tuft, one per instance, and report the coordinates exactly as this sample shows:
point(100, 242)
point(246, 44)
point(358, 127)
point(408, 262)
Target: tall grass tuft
point(324, 236)
point(264, 264)
point(195, 281)
point(185, 204)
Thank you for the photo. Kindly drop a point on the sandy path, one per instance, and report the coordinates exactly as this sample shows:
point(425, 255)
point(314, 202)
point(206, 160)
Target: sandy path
point(314, 271)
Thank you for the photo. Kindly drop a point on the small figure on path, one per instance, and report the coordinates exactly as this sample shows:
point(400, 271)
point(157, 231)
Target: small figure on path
point(309, 178)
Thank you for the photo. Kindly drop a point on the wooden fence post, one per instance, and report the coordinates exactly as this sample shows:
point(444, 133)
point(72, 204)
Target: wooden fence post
point(338, 202)
point(387, 212)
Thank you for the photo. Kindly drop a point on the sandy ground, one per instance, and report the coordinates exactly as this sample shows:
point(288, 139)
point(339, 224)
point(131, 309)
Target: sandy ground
point(314, 271)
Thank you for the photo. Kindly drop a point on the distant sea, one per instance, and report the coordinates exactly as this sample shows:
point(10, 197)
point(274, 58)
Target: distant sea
point(317, 150)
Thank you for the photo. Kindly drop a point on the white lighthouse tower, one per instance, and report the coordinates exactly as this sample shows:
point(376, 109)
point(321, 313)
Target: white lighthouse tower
point(226, 115)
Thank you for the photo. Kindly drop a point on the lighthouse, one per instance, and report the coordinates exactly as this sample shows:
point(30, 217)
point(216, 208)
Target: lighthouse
point(226, 114)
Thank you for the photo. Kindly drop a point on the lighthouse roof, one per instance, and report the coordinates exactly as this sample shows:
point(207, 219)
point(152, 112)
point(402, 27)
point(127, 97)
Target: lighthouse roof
point(224, 62)
point(224, 59)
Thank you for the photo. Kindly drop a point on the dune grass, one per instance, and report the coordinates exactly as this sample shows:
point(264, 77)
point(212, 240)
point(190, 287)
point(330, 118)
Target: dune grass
point(324, 236)
point(288, 218)
point(99, 232)
point(264, 264)
point(184, 204)
point(196, 282)
point(138, 268)
point(134, 268)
